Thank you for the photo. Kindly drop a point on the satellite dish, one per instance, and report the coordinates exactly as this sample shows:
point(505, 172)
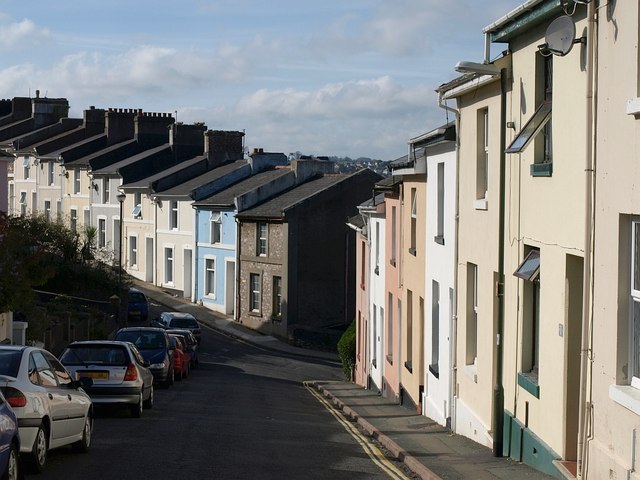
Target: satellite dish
point(560, 35)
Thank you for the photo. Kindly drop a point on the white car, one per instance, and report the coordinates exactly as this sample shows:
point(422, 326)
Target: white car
point(52, 408)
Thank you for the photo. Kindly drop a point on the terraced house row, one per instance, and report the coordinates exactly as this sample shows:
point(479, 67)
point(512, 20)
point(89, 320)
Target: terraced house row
point(498, 280)
point(185, 208)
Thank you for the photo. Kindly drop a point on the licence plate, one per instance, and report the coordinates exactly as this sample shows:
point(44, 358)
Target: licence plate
point(94, 375)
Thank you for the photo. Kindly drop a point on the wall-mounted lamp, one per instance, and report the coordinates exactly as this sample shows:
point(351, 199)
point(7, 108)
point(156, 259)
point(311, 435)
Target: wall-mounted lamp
point(479, 68)
point(511, 125)
point(95, 186)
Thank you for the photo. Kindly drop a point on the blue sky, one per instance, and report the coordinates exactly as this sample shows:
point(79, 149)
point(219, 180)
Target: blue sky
point(347, 78)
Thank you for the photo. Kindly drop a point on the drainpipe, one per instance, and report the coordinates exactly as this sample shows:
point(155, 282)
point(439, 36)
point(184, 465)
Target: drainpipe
point(497, 423)
point(236, 313)
point(453, 322)
point(587, 313)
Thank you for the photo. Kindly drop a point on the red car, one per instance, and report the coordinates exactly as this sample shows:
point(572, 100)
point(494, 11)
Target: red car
point(182, 358)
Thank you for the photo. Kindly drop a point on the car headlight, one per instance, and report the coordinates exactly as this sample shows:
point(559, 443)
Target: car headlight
point(157, 365)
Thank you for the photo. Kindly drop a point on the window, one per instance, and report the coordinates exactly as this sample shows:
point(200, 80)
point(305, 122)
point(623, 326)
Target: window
point(61, 374)
point(374, 339)
point(439, 238)
point(46, 377)
point(539, 122)
point(529, 270)
point(409, 345)
point(168, 265)
point(173, 215)
point(277, 297)
point(50, 173)
point(76, 180)
point(414, 221)
point(254, 299)
point(210, 276)
point(363, 261)
point(377, 269)
point(435, 329)
point(102, 232)
point(47, 210)
point(87, 217)
point(25, 168)
point(73, 220)
point(137, 205)
point(34, 202)
point(634, 333)
point(133, 251)
point(393, 236)
point(58, 211)
point(472, 315)
point(482, 156)
point(262, 239)
point(216, 227)
point(105, 190)
point(390, 328)
point(23, 203)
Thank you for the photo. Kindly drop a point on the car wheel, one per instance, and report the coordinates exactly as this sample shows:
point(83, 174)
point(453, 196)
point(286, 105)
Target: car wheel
point(82, 445)
point(12, 472)
point(38, 457)
point(136, 409)
point(148, 403)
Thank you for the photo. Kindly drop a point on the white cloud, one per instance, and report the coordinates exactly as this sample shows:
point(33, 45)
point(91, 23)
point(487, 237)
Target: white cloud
point(22, 34)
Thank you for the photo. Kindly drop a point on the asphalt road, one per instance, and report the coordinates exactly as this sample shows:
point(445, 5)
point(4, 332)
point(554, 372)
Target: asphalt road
point(243, 414)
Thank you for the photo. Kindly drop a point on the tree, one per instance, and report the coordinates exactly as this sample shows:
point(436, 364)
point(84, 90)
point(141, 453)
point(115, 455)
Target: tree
point(347, 350)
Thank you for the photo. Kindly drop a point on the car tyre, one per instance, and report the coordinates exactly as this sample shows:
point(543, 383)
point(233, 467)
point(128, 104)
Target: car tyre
point(136, 409)
point(82, 445)
point(12, 472)
point(38, 456)
point(148, 403)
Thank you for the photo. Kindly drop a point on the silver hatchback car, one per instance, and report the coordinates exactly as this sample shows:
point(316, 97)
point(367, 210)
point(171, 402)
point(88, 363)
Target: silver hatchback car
point(117, 369)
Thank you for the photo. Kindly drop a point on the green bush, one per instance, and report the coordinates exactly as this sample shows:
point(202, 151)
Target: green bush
point(347, 350)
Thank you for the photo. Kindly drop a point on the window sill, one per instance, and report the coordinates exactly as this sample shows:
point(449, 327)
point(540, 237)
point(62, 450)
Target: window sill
point(408, 366)
point(633, 106)
point(626, 396)
point(541, 169)
point(255, 313)
point(481, 204)
point(529, 381)
point(471, 371)
point(439, 239)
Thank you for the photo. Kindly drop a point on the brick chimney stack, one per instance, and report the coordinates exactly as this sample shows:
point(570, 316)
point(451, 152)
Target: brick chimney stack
point(120, 124)
point(222, 146)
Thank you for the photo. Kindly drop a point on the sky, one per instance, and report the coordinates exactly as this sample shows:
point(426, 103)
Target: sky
point(340, 78)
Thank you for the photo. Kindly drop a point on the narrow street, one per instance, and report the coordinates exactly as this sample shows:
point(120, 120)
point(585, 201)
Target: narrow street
point(243, 413)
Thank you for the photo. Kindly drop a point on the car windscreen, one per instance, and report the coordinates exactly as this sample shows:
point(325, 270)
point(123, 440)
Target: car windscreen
point(107, 355)
point(183, 323)
point(144, 340)
point(10, 362)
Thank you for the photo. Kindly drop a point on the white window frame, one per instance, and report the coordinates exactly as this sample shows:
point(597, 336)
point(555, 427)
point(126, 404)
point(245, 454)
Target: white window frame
point(102, 232)
point(133, 251)
point(262, 240)
point(47, 210)
point(173, 214)
point(277, 297)
point(255, 292)
point(137, 208)
point(634, 323)
point(168, 265)
point(73, 219)
point(76, 180)
point(51, 173)
point(210, 276)
point(106, 197)
point(215, 231)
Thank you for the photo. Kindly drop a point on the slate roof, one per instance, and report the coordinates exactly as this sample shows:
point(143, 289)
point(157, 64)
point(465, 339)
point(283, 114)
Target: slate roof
point(112, 169)
point(147, 181)
point(127, 146)
point(184, 189)
point(226, 197)
point(277, 207)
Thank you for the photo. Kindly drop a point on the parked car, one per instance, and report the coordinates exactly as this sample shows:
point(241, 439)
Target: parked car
point(137, 306)
point(153, 344)
point(52, 408)
point(192, 343)
point(180, 320)
point(180, 357)
point(10, 464)
point(119, 372)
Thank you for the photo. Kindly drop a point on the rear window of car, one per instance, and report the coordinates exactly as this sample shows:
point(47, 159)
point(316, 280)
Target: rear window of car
point(137, 297)
point(143, 340)
point(95, 355)
point(183, 323)
point(10, 362)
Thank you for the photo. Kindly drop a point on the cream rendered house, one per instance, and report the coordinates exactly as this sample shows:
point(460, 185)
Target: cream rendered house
point(412, 218)
point(475, 99)
point(611, 392)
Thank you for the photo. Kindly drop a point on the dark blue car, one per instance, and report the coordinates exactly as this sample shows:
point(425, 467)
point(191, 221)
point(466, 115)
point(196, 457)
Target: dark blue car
point(137, 305)
point(10, 464)
point(153, 344)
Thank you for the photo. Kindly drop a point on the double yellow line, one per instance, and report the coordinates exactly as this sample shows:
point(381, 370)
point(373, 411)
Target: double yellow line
point(372, 451)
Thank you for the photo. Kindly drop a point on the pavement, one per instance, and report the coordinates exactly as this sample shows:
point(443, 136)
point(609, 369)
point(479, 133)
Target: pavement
point(431, 451)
